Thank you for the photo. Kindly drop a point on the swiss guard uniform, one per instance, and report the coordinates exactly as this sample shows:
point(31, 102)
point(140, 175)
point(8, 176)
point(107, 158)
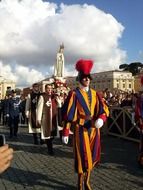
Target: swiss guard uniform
point(139, 120)
point(85, 112)
point(30, 112)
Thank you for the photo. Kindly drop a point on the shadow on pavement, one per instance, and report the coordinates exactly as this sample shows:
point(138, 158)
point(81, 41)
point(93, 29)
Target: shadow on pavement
point(121, 153)
point(31, 179)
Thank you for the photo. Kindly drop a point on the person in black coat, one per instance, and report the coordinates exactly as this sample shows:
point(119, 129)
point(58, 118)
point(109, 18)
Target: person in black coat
point(12, 111)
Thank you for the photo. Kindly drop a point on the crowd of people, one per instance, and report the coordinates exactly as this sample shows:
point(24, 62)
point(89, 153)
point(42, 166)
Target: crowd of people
point(119, 98)
point(82, 110)
point(18, 108)
point(133, 102)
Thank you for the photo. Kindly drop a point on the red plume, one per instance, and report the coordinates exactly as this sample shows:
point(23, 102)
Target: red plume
point(142, 80)
point(84, 66)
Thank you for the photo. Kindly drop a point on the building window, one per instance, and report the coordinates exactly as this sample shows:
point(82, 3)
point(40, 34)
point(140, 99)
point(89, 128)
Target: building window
point(130, 86)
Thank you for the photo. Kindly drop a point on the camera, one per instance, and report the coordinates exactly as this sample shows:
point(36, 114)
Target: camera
point(2, 139)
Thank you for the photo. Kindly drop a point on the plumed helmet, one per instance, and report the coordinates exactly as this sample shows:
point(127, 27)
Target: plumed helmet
point(83, 66)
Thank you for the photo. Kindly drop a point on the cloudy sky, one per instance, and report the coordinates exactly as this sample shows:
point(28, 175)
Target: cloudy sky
point(31, 32)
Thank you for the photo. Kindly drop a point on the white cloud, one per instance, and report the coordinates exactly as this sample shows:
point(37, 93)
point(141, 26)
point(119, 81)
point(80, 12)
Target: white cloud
point(27, 75)
point(23, 76)
point(32, 30)
point(6, 72)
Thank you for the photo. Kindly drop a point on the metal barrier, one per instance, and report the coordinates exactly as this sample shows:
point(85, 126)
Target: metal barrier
point(120, 124)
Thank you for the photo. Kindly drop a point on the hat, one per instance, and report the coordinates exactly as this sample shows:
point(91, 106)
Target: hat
point(83, 66)
point(13, 91)
point(35, 84)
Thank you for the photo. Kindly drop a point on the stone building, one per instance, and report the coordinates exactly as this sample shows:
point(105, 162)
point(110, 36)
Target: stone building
point(6, 86)
point(41, 83)
point(114, 79)
point(121, 80)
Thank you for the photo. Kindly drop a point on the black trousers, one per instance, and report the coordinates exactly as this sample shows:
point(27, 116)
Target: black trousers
point(49, 143)
point(13, 125)
point(37, 139)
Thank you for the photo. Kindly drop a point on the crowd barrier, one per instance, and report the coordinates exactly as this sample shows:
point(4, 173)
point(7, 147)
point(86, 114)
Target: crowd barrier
point(121, 124)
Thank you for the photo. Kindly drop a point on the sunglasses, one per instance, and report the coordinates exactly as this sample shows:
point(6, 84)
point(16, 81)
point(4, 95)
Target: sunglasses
point(86, 78)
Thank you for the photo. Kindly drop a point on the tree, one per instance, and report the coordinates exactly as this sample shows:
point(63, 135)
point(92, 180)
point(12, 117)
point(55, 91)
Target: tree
point(134, 67)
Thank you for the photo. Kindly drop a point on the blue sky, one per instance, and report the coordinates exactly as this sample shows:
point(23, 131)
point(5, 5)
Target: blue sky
point(130, 14)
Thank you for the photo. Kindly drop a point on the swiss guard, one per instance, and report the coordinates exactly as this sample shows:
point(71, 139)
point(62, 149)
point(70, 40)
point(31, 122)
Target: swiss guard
point(139, 121)
point(84, 111)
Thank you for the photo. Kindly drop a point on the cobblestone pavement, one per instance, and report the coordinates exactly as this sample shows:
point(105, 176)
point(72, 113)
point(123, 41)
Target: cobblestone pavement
point(33, 169)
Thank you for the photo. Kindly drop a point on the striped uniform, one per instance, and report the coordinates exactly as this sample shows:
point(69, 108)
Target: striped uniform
point(80, 111)
point(139, 121)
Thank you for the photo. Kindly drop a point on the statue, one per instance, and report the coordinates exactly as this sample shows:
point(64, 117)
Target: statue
point(59, 67)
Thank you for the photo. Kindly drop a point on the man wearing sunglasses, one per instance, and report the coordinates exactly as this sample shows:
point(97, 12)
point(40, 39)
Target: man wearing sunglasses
point(85, 111)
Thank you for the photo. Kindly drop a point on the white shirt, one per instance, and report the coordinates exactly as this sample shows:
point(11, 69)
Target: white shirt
point(84, 88)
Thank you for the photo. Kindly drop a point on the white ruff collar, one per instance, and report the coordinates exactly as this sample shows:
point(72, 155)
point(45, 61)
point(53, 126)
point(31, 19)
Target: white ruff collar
point(84, 88)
